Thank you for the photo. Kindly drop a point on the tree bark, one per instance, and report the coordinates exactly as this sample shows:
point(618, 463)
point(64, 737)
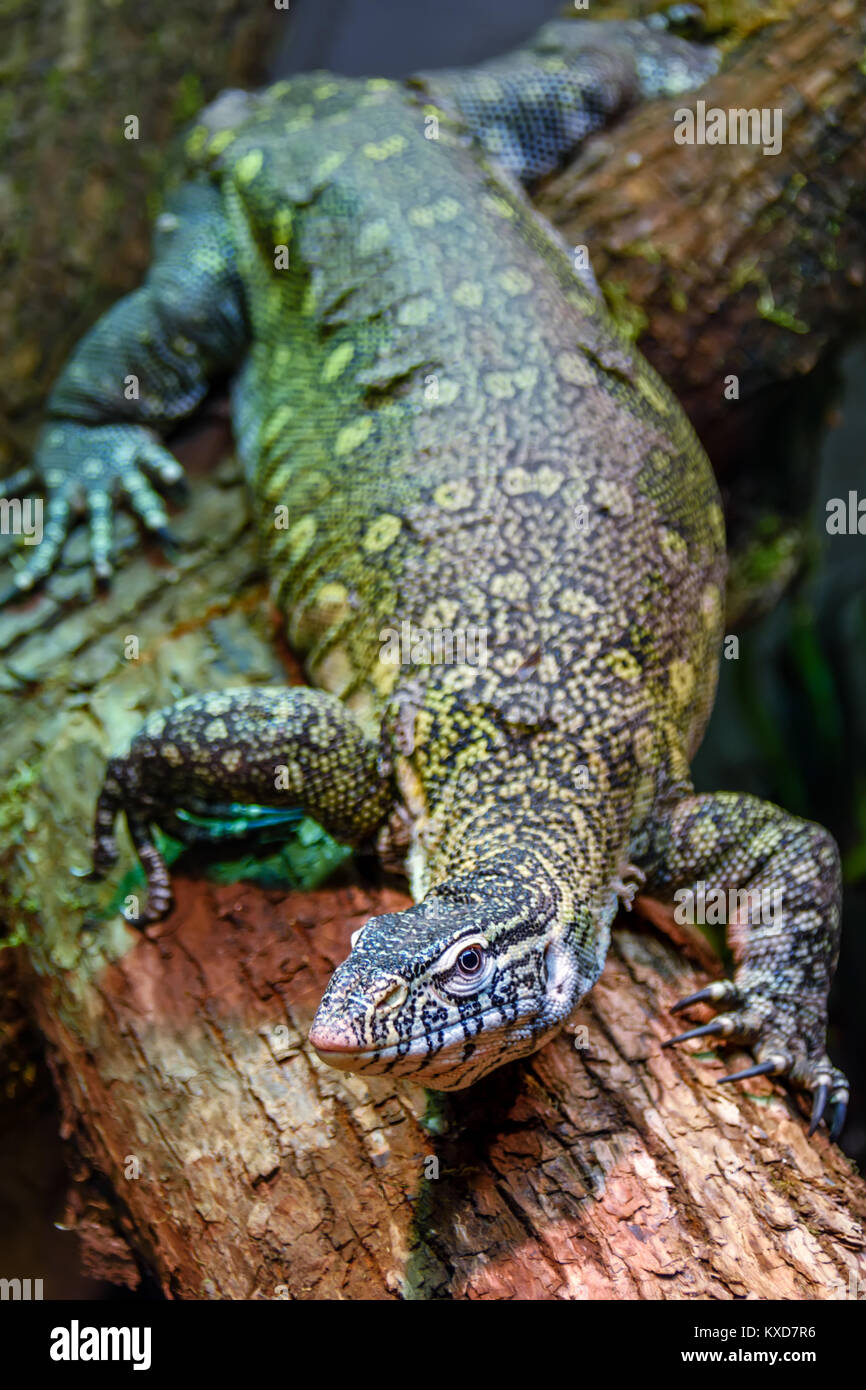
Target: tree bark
point(225, 1158)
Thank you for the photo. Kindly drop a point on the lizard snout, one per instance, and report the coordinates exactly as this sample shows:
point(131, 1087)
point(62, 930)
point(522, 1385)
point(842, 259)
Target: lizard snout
point(329, 1035)
point(341, 1026)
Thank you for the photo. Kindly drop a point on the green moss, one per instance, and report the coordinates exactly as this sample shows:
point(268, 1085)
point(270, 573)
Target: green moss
point(748, 272)
point(13, 816)
point(767, 557)
point(17, 937)
point(15, 799)
point(190, 98)
point(303, 861)
point(437, 1116)
point(628, 315)
point(745, 272)
point(768, 309)
point(644, 249)
point(304, 857)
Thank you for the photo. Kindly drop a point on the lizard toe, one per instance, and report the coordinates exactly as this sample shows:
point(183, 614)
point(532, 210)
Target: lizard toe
point(782, 1051)
point(719, 992)
point(724, 1026)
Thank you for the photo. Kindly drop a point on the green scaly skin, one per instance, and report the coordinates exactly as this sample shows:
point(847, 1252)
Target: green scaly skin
point(442, 426)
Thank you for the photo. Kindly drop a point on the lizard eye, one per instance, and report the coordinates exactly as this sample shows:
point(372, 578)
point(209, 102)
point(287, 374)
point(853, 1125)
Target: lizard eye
point(470, 961)
point(466, 968)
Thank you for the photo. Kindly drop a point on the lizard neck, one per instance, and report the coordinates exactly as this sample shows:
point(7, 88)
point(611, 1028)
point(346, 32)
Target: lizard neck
point(540, 809)
point(514, 844)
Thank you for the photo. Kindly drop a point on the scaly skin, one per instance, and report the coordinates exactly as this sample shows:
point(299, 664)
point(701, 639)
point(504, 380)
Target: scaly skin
point(442, 426)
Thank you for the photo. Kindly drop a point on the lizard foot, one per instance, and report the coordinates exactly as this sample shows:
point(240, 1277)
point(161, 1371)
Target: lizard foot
point(628, 883)
point(87, 467)
point(120, 792)
point(783, 1046)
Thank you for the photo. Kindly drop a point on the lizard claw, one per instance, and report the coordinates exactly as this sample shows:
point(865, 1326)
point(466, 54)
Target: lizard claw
point(171, 546)
point(781, 1048)
point(716, 993)
point(839, 1101)
point(628, 883)
point(759, 1069)
point(720, 1026)
point(819, 1105)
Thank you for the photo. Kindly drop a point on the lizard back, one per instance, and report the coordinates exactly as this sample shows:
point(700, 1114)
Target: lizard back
point(459, 434)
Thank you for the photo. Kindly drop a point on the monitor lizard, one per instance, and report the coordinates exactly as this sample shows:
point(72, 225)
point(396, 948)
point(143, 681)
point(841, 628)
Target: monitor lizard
point(445, 432)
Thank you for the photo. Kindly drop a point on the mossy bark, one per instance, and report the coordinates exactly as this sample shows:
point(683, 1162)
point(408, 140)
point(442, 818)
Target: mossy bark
point(80, 180)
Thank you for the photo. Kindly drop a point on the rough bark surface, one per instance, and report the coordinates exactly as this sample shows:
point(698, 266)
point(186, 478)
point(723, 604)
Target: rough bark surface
point(236, 1164)
point(615, 1171)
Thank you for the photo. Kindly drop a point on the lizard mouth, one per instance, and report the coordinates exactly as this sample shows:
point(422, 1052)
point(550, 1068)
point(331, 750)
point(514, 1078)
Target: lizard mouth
point(448, 1060)
point(354, 1059)
point(346, 1057)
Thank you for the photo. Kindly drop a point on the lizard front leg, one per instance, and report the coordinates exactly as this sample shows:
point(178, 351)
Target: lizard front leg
point(287, 748)
point(144, 366)
point(783, 928)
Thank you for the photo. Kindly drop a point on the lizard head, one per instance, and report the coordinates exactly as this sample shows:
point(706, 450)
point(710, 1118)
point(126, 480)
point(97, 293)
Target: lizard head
point(451, 988)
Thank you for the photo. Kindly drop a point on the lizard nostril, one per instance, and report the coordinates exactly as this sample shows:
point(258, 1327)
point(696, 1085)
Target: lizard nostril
point(390, 995)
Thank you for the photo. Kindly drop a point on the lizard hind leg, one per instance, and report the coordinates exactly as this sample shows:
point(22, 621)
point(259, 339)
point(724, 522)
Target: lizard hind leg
point(780, 879)
point(118, 794)
point(274, 751)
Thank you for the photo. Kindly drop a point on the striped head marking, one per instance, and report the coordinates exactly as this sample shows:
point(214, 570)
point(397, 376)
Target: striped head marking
point(449, 989)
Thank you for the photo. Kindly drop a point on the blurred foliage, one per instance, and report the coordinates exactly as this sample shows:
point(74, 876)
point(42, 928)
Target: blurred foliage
point(790, 717)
